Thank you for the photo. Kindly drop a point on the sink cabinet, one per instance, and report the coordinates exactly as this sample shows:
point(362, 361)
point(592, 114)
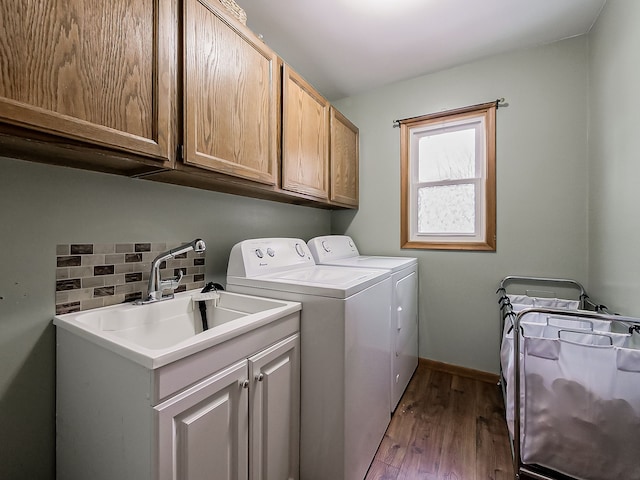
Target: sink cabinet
point(227, 412)
point(241, 423)
point(83, 78)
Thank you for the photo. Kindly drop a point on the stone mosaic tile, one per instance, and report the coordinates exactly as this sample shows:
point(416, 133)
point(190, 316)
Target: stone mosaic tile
point(93, 275)
point(81, 249)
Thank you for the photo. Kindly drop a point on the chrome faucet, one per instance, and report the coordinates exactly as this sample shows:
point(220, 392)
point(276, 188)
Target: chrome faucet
point(156, 285)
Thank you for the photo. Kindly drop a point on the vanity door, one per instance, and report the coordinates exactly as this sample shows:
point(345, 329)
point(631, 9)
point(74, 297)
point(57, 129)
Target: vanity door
point(274, 407)
point(202, 432)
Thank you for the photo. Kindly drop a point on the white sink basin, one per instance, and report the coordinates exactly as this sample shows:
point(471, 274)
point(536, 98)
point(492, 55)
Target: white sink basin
point(159, 333)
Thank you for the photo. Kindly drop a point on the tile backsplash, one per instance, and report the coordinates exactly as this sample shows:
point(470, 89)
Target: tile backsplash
point(92, 275)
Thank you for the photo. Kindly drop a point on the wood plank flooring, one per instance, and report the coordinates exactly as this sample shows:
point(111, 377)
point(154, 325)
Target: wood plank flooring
point(446, 427)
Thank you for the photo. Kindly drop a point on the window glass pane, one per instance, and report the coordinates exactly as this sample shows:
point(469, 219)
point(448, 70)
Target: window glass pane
point(447, 209)
point(447, 156)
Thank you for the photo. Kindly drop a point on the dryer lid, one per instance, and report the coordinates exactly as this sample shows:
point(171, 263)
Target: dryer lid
point(365, 261)
point(320, 280)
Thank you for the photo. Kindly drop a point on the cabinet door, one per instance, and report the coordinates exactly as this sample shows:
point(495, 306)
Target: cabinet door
point(202, 432)
point(275, 411)
point(95, 72)
point(305, 137)
point(230, 96)
point(344, 160)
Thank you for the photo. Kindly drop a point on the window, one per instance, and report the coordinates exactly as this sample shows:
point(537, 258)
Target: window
point(448, 180)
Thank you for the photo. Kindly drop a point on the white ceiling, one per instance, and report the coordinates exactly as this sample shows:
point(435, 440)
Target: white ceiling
point(345, 47)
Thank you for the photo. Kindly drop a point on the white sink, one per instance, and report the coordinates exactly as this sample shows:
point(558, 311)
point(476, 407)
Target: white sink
point(159, 333)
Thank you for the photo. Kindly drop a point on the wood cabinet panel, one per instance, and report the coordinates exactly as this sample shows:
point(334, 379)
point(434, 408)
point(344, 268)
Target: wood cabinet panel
point(230, 97)
point(305, 137)
point(345, 148)
point(88, 71)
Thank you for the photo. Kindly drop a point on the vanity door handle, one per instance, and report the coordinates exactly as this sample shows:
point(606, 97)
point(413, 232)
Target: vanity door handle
point(260, 377)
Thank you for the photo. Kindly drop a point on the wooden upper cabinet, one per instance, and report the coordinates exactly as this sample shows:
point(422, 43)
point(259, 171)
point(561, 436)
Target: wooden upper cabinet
point(305, 137)
point(98, 73)
point(345, 142)
point(118, 86)
point(230, 96)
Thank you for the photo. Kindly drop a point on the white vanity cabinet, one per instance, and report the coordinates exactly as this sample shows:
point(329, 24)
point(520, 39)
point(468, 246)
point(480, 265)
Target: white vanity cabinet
point(230, 411)
point(205, 429)
point(240, 423)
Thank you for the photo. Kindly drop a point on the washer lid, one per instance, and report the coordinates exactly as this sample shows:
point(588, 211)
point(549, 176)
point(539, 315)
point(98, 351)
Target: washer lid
point(321, 280)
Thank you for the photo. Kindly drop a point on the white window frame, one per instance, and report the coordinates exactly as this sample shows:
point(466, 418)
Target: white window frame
point(481, 118)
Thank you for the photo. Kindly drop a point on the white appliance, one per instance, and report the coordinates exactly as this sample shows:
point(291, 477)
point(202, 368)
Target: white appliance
point(341, 250)
point(345, 400)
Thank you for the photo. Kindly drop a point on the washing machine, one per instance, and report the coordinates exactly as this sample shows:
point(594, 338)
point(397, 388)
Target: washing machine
point(341, 250)
point(344, 335)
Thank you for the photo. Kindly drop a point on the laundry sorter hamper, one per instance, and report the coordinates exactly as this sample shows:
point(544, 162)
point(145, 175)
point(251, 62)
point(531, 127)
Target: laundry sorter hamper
point(576, 373)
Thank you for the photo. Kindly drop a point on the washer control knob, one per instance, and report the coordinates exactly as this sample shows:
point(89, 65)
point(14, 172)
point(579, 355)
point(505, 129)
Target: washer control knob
point(299, 250)
point(271, 252)
point(325, 246)
point(259, 253)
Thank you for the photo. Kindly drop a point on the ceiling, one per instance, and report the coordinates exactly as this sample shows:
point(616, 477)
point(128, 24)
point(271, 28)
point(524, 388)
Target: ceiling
point(346, 47)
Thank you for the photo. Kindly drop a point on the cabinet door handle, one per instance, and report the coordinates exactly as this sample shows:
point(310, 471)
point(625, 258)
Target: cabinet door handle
point(260, 377)
point(244, 383)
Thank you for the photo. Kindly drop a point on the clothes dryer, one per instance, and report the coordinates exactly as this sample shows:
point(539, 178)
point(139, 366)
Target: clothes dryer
point(344, 334)
point(341, 250)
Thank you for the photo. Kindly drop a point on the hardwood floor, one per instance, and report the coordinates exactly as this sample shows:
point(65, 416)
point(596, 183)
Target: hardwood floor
point(446, 427)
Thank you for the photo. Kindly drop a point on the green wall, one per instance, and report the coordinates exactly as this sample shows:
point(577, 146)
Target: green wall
point(614, 156)
point(42, 206)
point(541, 188)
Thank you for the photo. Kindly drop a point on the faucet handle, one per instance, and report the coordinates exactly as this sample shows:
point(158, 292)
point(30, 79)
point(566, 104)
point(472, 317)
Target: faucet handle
point(175, 281)
point(171, 283)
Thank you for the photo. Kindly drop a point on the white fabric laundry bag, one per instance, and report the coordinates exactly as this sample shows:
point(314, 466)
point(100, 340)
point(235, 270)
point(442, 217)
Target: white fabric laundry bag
point(582, 406)
point(526, 301)
point(543, 325)
point(521, 302)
